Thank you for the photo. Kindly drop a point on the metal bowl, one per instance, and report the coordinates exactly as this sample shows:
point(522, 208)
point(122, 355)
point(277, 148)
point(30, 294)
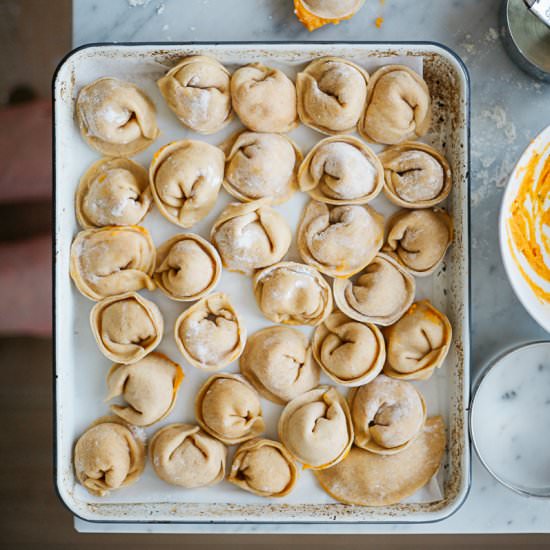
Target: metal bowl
point(526, 39)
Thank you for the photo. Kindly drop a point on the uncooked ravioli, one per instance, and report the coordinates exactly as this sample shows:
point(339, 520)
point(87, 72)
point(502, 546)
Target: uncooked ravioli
point(331, 95)
point(210, 333)
point(112, 260)
point(116, 117)
point(197, 91)
point(278, 362)
point(113, 191)
point(341, 170)
point(186, 177)
point(126, 327)
point(188, 267)
point(339, 240)
point(229, 409)
point(260, 165)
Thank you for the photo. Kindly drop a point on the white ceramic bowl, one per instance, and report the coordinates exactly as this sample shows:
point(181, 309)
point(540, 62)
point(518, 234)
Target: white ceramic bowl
point(538, 310)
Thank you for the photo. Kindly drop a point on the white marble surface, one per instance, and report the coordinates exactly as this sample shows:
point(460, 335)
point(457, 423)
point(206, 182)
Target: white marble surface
point(508, 110)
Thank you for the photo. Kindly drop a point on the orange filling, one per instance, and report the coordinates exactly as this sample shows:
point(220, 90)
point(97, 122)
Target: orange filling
point(528, 220)
point(312, 21)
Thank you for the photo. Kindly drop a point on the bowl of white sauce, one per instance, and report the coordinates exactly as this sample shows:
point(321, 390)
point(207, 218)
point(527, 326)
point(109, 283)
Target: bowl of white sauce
point(510, 419)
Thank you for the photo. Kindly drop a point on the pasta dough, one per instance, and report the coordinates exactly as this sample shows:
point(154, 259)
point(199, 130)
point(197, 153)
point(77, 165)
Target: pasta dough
point(387, 415)
point(264, 98)
point(419, 239)
point(316, 428)
point(278, 362)
point(115, 117)
point(210, 334)
point(250, 236)
point(113, 191)
point(263, 467)
point(349, 352)
point(108, 456)
point(261, 166)
point(331, 95)
point(183, 455)
point(188, 267)
point(228, 408)
point(197, 91)
point(380, 294)
point(341, 170)
point(398, 106)
point(418, 343)
point(112, 260)
point(368, 479)
point(186, 177)
point(415, 175)
point(149, 388)
point(339, 240)
point(293, 294)
point(126, 327)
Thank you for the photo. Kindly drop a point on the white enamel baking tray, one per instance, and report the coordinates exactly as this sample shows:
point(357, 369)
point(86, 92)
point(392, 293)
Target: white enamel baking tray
point(80, 369)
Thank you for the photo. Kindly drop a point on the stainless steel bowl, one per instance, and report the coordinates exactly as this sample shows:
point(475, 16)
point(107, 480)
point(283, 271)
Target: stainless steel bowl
point(526, 39)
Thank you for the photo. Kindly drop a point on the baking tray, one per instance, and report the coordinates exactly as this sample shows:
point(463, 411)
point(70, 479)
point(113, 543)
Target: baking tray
point(80, 369)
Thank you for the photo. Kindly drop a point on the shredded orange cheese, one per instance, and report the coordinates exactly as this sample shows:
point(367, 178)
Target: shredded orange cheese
point(378, 22)
point(312, 21)
point(529, 223)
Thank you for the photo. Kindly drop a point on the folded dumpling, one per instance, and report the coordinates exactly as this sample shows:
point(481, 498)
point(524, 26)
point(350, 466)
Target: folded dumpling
point(369, 479)
point(149, 388)
point(112, 260)
point(341, 170)
point(261, 166)
point(116, 117)
point(349, 352)
point(415, 175)
point(398, 106)
point(293, 294)
point(210, 333)
point(339, 240)
point(316, 428)
point(229, 409)
point(183, 455)
point(418, 343)
point(419, 239)
point(379, 294)
point(188, 267)
point(264, 98)
point(331, 95)
point(250, 236)
point(126, 327)
point(108, 456)
point(263, 467)
point(197, 91)
point(186, 177)
point(113, 191)
point(316, 13)
point(278, 362)
point(387, 415)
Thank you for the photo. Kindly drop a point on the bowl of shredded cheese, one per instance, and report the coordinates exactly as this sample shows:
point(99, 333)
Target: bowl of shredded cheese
point(525, 229)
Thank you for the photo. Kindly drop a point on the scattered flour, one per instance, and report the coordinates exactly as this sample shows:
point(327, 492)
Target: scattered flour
point(498, 115)
point(138, 3)
point(491, 35)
